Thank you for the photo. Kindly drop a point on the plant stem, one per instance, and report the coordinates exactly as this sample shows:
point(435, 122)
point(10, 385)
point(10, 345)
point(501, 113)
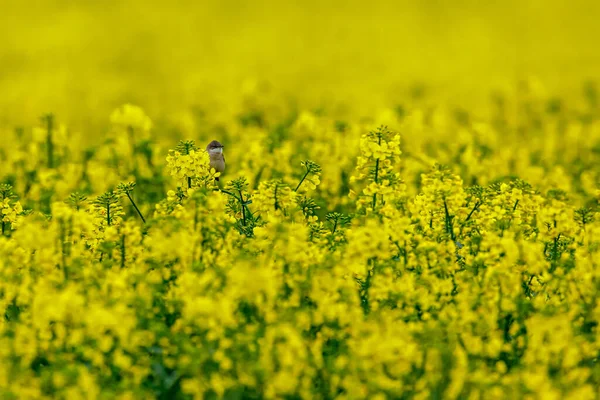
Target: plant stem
point(302, 180)
point(275, 194)
point(449, 227)
point(226, 192)
point(123, 251)
point(376, 170)
point(366, 286)
point(462, 226)
point(136, 207)
point(240, 199)
point(376, 176)
point(108, 214)
point(473, 210)
point(243, 207)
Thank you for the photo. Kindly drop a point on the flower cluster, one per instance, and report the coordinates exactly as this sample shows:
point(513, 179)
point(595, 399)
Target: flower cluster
point(191, 166)
point(11, 210)
point(377, 166)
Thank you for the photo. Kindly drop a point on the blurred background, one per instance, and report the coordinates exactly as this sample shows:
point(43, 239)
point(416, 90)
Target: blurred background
point(80, 60)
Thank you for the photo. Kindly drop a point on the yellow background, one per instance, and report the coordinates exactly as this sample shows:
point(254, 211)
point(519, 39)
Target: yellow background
point(81, 59)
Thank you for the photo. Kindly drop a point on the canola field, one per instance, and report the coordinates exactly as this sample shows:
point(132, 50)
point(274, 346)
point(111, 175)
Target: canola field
point(415, 224)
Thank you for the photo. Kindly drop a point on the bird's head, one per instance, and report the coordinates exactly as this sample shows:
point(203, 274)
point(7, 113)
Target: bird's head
point(214, 147)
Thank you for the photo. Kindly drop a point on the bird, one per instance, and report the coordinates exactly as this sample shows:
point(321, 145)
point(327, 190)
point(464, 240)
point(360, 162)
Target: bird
point(217, 160)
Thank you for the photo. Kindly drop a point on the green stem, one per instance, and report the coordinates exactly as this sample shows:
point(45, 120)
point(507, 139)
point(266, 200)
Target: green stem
point(226, 192)
point(123, 251)
point(243, 207)
point(462, 225)
point(240, 199)
point(477, 205)
point(108, 214)
point(131, 133)
point(376, 176)
point(3, 227)
point(376, 171)
point(449, 228)
point(302, 180)
point(367, 285)
point(136, 207)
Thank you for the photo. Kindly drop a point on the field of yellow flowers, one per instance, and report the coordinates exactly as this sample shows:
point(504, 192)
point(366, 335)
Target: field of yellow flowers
point(400, 243)
point(332, 259)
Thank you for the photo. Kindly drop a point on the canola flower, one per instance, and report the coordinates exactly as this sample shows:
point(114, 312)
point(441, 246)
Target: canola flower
point(416, 263)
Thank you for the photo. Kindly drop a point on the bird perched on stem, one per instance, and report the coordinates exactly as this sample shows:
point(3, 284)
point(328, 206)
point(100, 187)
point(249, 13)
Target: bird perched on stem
point(217, 160)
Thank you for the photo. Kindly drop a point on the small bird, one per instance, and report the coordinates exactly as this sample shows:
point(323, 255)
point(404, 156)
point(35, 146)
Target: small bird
point(217, 160)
